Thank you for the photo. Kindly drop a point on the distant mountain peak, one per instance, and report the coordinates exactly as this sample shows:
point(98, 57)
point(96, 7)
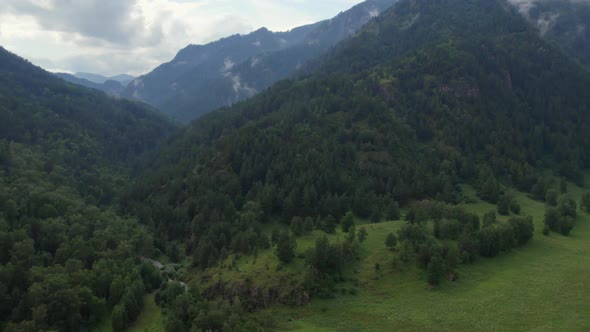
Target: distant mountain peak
point(124, 79)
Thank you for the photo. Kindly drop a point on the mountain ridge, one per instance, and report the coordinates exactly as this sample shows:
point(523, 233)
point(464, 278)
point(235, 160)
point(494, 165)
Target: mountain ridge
point(433, 89)
point(111, 87)
point(189, 93)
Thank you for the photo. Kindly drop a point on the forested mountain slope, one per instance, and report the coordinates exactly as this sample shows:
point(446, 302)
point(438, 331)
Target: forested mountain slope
point(565, 22)
point(204, 77)
point(427, 96)
point(67, 259)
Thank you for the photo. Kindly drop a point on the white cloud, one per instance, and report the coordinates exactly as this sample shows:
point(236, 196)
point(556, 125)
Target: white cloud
point(524, 6)
point(114, 36)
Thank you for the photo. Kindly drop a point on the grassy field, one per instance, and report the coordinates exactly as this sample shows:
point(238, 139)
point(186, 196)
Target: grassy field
point(541, 287)
point(150, 319)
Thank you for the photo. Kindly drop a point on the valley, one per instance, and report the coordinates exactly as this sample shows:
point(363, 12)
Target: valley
point(407, 165)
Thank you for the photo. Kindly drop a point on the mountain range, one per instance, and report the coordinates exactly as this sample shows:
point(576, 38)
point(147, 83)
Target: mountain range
point(202, 78)
point(111, 87)
point(124, 79)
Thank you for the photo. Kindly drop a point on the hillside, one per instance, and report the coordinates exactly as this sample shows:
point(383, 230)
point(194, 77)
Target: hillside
point(38, 107)
point(443, 101)
point(202, 78)
point(426, 100)
point(565, 22)
point(429, 172)
point(67, 258)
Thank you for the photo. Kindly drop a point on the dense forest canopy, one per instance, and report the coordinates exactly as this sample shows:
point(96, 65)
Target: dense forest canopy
point(565, 22)
point(66, 153)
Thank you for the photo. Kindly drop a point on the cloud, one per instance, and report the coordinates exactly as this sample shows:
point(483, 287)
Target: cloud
point(134, 36)
point(524, 6)
point(111, 21)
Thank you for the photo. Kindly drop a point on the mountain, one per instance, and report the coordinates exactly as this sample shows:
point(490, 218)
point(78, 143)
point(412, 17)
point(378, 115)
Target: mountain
point(66, 152)
point(565, 22)
point(111, 87)
point(205, 77)
point(117, 125)
point(426, 97)
point(124, 79)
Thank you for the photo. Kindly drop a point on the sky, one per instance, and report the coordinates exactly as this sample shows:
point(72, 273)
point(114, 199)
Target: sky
point(111, 37)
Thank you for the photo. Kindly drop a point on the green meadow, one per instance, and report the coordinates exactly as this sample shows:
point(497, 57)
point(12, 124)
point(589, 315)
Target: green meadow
point(542, 286)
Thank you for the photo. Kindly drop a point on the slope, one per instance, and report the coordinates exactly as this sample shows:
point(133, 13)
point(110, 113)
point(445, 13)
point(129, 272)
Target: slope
point(208, 61)
point(534, 288)
point(67, 257)
point(427, 96)
point(38, 107)
point(565, 22)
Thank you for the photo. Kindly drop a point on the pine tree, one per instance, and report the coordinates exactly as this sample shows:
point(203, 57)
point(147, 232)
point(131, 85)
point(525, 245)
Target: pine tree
point(286, 246)
point(347, 221)
point(435, 270)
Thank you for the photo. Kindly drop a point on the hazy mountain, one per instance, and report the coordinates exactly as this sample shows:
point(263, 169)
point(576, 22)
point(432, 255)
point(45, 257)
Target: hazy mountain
point(124, 79)
point(111, 87)
point(205, 77)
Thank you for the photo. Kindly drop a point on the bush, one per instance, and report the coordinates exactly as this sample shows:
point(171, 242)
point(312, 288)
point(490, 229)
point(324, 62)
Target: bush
point(551, 197)
point(504, 205)
point(435, 270)
point(347, 221)
point(563, 218)
point(391, 241)
point(489, 218)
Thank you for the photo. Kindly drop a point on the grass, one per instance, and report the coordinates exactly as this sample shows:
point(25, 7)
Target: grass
point(540, 287)
point(150, 319)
